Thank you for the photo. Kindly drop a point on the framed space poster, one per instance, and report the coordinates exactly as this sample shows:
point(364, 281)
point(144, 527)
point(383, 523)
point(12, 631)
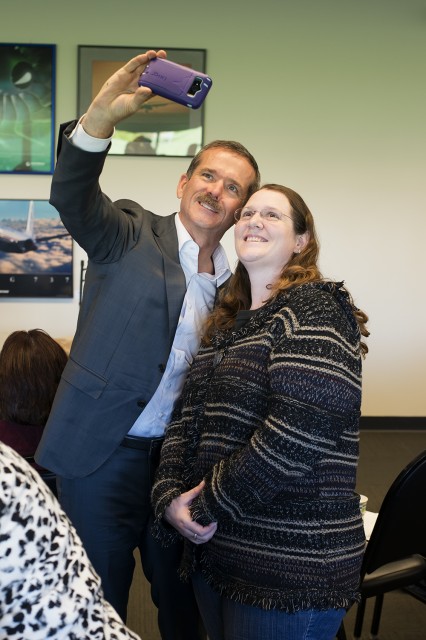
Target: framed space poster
point(27, 113)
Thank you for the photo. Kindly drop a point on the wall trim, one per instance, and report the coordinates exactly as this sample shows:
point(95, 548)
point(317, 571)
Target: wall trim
point(400, 423)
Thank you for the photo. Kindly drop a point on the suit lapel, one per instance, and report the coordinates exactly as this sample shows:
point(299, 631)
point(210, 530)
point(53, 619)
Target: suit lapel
point(166, 238)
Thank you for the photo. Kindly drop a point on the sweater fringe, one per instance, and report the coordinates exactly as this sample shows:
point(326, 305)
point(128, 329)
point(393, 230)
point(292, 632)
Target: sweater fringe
point(269, 599)
point(165, 534)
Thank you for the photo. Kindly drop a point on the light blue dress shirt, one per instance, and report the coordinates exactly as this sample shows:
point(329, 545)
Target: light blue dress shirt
point(197, 303)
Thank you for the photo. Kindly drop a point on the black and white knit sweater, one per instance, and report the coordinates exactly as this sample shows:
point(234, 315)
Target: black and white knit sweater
point(269, 418)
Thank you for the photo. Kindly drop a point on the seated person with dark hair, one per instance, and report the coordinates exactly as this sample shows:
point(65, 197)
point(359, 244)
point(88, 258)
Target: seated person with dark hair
point(31, 365)
point(48, 587)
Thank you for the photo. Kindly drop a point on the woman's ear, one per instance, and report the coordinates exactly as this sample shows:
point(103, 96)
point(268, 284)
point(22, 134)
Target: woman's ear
point(301, 241)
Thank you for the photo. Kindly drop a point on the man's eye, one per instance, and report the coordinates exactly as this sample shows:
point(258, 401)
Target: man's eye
point(207, 175)
point(233, 188)
point(246, 214)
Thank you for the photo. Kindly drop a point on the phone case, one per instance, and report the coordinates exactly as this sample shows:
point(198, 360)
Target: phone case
point(176, 82)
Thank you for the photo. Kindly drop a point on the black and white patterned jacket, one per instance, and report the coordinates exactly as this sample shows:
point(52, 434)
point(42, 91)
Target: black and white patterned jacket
point(48, 588)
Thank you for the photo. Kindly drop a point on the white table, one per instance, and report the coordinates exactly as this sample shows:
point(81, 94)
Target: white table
point(369, 521)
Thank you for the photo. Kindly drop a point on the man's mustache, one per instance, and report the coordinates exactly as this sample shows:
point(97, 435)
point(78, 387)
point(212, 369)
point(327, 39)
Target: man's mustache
point(211, 202)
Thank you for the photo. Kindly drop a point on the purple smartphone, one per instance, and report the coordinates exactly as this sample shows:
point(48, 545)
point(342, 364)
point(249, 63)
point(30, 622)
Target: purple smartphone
point(176, 82)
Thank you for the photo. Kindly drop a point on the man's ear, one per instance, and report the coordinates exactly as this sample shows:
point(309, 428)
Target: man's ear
point(181, 185)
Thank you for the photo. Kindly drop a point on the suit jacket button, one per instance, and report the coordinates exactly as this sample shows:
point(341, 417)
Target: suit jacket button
point(141, 403)
point(162, 368)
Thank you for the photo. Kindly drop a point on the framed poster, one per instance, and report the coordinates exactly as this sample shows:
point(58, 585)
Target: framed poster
point(27, 114)
point(36, 256)
point(161, 127)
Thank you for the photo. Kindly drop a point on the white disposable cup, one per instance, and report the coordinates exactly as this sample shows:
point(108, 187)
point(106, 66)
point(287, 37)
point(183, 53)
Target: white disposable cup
point(363, 504)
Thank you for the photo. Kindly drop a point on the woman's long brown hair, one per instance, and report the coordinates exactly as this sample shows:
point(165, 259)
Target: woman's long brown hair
point(301, 268)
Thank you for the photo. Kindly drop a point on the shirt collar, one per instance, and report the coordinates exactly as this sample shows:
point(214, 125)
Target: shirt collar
point(189, 249)
point(182, 233)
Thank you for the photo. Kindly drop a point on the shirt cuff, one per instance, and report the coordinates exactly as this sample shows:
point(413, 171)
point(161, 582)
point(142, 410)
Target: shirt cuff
point(84, 141)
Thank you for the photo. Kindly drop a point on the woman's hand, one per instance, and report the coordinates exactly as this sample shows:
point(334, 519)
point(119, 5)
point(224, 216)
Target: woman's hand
point(178, 515)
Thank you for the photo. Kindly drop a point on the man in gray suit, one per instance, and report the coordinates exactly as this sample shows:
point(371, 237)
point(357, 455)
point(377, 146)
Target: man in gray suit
point(150, 282)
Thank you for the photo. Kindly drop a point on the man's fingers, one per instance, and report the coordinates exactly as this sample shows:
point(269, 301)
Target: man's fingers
point(142, 59)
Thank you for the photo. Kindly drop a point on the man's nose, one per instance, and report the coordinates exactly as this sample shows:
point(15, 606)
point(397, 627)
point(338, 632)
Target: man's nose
point(215, 188)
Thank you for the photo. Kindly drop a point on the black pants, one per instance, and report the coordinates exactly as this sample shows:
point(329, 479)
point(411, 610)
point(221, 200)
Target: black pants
point(111, 510)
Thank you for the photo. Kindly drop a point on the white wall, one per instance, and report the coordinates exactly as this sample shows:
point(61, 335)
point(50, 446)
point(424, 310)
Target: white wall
point(329, 96)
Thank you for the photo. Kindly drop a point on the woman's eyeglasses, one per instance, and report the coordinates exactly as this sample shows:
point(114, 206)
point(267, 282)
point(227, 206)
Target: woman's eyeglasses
point(270, 215)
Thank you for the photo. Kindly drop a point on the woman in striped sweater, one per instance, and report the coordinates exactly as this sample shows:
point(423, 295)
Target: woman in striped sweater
point(258, 467)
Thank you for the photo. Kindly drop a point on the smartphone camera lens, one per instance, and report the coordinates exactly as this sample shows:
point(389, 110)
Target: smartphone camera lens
point(195, 87)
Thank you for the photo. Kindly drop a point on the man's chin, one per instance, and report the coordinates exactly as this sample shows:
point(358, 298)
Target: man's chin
point(209, 218)
point(205, 209)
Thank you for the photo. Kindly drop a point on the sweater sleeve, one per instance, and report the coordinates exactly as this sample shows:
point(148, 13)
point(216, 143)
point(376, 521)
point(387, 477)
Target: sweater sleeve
point(173, 474)
point(314, 400)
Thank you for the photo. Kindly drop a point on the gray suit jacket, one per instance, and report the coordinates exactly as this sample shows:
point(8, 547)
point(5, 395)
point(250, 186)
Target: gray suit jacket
point(132, 299)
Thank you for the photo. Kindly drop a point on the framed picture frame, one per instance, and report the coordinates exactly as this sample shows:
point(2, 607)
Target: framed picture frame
point(36, 251)
point(27, 121)
point(161, 127)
